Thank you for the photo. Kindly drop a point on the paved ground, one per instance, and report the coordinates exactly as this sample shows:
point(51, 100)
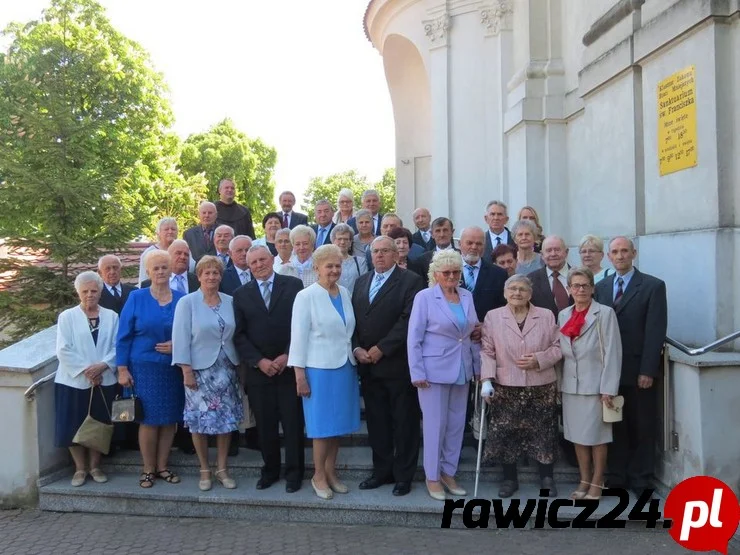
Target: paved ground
point(38, 533)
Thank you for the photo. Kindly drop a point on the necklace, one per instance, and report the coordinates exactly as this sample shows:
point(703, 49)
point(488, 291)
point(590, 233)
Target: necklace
point(94, 323)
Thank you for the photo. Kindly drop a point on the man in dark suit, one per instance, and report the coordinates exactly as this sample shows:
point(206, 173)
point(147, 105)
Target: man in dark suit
point(423, 234)
point(370, 201)
point(222, 237)
point(442, 232)
point(382, 302)
point(290, 218)
point(390, 222)
point(550, 284)
point(114, 293)
point(642, 312)
point(479, 276)
point(200, 237)
point(237, 273)
point(496, 217)
point(323, 226)
point(263, 310)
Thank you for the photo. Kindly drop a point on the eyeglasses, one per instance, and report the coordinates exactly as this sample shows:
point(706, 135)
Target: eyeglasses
point(580, 285)
point(448, 273)
point(518, 289)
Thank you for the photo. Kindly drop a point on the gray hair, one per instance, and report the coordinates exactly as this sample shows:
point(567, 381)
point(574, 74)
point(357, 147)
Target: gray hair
point(340, 229)
point(302, 230)
point(591, 240)
point(286, 193)
point(102, 259)
point(552, 238)
point(282, 231)
point(238, 237)
point(413, 214)
point(222, 227)
point(528, 224)
point(166, 220)
point(157, 253)
point(255, 248)
point(630, 241)
point(177, 243)
point(324, 252)
point(86, 277)
point(206, 203)
point(519, 278)
point(583, 272)
point(442, 259)
point(323, 202)
point(225, 180)
point(392, 215)
point(369, 192)
point(346, 193)
point(363, 213)
point(497, 203)
point(392, 242)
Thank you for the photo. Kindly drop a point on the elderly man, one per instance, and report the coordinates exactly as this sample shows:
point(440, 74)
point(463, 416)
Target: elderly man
point(389, 222)
point(642, 313)
point(222, 237)
point(115, 293)
point(323, 226)
point(480, 277)
point(423, 234)
point(442, 231)
point(263, 311)
point(237, 274)
point(496, 217)
point(290, 218)
point(180, 279)
point(550, 284)
point(230, 212)
point(382, 302)
point(200, 237)
point(371, 202)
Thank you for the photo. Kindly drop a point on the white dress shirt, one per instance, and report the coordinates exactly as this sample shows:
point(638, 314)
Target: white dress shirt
point(504, 236)
point(562, 277)
point(173, 281)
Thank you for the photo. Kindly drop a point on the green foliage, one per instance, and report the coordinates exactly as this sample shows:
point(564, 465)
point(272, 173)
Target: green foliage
point(84, 143)
point(328, 188)
point(224, 151)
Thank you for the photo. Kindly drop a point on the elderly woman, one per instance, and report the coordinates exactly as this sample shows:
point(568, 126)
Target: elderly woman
point(325, 368)
point(442, 361)
point(592, 366)
point(352, 266)
point(303, 239)
point(520, 347)
point(403, 239)
point(525, 235)
point(504, 256)
point(144, 359)
point(166, 232)
point(346, 204)
point(271, 223)
point(591, 249)
point(529, 213)
point(365, 235)
point(203, 346)
point(86, 349)
point(282, 264)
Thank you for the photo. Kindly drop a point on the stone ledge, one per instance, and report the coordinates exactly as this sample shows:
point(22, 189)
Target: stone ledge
point(705, 361)
point(30, 354)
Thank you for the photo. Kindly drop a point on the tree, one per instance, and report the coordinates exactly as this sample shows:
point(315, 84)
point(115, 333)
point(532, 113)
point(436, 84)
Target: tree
point(224, 151)
point(328, 188)
point(85, 120)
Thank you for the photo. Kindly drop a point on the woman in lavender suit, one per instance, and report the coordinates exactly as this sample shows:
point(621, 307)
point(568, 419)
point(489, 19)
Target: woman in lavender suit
point(443, 360)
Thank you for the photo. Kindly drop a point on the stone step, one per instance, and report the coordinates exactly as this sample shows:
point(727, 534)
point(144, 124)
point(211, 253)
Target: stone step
point(122, 495)
point(353, 463)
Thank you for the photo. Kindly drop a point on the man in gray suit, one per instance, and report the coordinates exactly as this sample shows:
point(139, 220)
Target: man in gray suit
point(642, 312)
point(200, 237)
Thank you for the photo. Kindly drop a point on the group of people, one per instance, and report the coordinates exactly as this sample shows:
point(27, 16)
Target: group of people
point(306, 319)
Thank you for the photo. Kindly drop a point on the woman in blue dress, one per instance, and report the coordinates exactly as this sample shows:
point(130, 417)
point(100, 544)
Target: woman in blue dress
point(325, 368)
point(144, 359)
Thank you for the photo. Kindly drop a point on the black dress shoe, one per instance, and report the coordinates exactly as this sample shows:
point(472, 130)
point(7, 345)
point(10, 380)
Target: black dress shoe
point(507, 488)
point(549, 484)
point(401, 488)
point(264, 483)
point(374, 483)
point(292, 487)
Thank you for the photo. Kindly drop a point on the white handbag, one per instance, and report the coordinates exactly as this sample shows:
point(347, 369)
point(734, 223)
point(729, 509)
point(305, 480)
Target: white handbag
point(613, 414)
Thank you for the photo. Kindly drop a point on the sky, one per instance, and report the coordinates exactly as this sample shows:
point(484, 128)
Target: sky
point(299, 74)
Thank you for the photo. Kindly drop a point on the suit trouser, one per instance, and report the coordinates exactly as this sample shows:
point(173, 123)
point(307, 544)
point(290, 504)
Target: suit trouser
point(274, 404)
point(443, 408)
point(392, 414)
point(632, 453)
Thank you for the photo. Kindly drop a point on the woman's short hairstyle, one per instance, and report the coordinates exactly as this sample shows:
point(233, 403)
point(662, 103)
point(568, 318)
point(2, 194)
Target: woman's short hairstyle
point(346, 193)
point(165, 220)
point(340, 229)
point(302, 230)
point(363, 213)
point(156, 254)
point(399, 233)
point(444, 259)
point(537, 222)
point(502, 250)
point(592, 240)
point(324, 252)
point(282, 231)
point(207, 262)
point(86, 277)
point(583, 272)
point(527, 224)
point(269, 216)
point(519, 278)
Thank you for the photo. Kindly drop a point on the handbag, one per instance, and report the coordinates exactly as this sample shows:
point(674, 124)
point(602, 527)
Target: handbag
point(478, 431)
point(93, 433)
point(127, 409)
point(615, 414)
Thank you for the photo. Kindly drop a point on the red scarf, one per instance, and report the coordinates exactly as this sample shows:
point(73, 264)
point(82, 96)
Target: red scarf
point(575, 323)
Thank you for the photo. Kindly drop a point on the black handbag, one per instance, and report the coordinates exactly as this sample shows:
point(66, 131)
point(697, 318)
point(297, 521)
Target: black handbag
point(127, 409)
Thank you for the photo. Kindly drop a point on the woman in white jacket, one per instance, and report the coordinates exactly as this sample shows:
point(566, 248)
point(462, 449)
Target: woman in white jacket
point(86, 349)
point(325, 368)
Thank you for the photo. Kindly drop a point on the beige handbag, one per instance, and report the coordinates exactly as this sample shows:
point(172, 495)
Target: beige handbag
point(615, 414)
point(95, 434)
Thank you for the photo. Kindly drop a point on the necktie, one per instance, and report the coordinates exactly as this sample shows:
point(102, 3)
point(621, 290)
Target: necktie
point(243, 276)
point(207, 237)
point(224, 259)
point(470, 277)
point(620, 291)
point(321, 237)
point(266, 293)
point(116, 294)
point(498, 241)
point(180, 284)
point(285, 219)
point(375, 287)
point(559, 292)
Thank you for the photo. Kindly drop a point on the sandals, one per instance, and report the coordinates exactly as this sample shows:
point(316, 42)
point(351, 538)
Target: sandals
point(595, 497)
point(206, 483)
point(168, 476)
point(578, 494)
point(146, 480)
point(224, 479)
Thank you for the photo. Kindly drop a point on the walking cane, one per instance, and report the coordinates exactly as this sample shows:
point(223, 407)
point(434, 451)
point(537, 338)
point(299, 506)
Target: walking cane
point(480, 437)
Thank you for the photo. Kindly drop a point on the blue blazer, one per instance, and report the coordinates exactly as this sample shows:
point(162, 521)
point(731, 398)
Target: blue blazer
point(230, 281)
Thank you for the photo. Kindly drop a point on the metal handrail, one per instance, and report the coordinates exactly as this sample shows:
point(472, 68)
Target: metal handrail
point(714, 345)
point(30, 393)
